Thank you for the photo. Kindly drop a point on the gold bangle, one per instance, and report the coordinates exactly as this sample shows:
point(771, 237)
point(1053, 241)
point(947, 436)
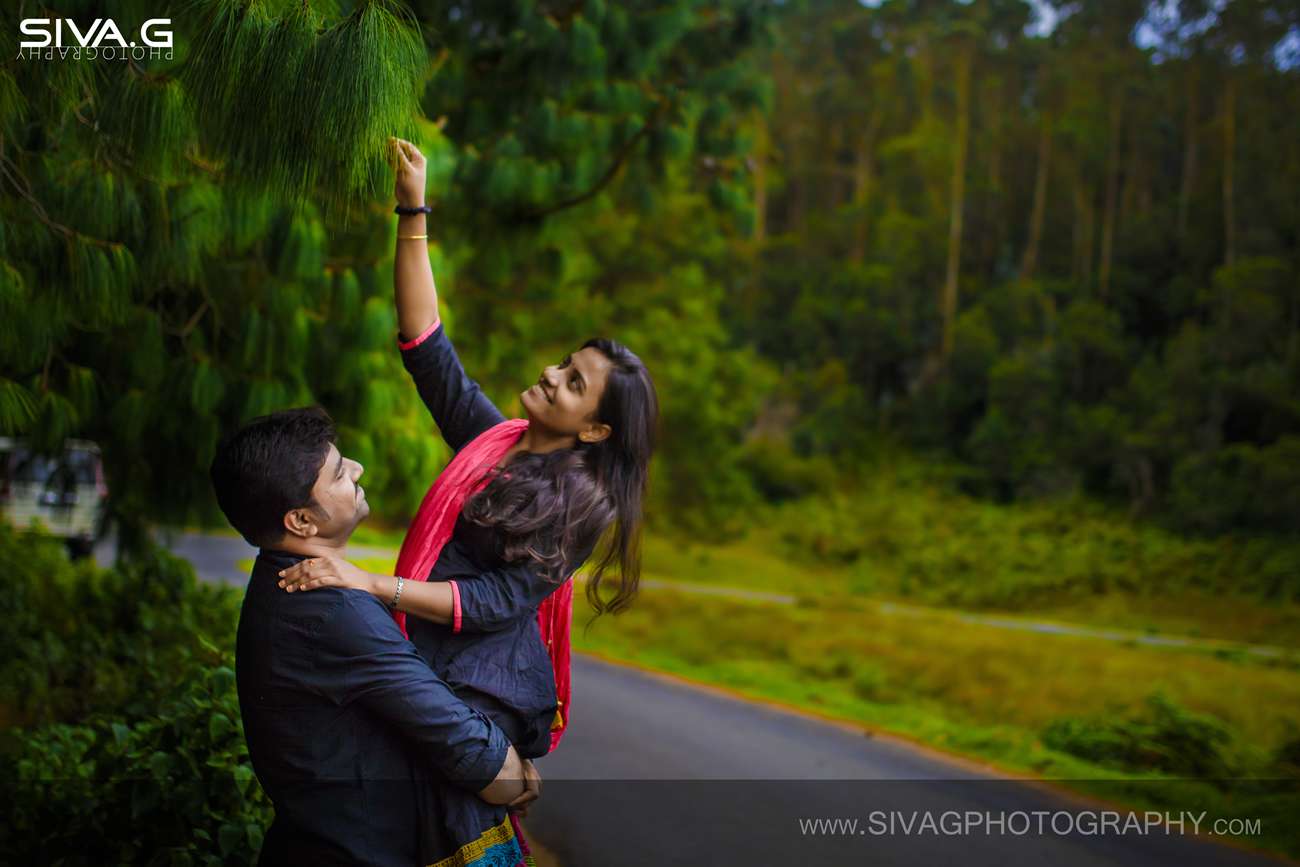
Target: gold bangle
point(411, 237)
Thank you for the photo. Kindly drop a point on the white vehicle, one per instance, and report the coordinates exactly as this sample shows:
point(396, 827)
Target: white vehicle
point(65, 493)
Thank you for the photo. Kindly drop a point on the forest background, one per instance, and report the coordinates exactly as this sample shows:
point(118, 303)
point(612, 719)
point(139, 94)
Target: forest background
point(982, 306)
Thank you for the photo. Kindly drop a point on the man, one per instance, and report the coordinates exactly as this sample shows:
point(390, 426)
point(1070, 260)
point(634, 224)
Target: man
point(344, 719)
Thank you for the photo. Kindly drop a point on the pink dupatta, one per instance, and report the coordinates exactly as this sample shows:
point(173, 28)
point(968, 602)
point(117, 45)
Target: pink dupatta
point(433, 526)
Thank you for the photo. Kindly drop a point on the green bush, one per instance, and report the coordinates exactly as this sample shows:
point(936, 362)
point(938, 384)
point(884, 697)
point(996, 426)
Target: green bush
point(780, 474)
point(122, 739)
point(82, 639)
point(1239, 485)
point(176, 788)
point(1165, 737)
point(829, 531)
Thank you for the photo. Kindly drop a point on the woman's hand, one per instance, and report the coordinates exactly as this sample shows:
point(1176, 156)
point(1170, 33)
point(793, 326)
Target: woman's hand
point(327, 572)
point(410, 167)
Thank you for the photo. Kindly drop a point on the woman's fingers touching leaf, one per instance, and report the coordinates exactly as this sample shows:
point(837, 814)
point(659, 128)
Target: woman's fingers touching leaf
point(411, 153)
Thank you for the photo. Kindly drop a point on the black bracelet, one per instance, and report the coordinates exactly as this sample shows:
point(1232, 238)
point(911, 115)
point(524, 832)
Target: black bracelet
point(410, 212)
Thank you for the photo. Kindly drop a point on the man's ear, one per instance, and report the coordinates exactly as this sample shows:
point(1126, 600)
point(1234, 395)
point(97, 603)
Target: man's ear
point(300, 523)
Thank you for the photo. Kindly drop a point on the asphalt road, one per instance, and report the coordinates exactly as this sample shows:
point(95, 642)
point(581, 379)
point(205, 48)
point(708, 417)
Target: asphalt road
point(654, 771)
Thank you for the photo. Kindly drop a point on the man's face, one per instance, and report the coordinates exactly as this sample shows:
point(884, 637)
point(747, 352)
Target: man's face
point(340, 502)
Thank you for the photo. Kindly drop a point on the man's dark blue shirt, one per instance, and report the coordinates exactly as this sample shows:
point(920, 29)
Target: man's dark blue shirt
point(348, 727)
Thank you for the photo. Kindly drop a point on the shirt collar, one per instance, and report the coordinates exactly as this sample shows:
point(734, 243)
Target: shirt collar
point(279, 559)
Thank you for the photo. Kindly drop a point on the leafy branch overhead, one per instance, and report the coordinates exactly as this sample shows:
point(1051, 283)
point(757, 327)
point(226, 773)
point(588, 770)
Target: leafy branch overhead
point(302, 106)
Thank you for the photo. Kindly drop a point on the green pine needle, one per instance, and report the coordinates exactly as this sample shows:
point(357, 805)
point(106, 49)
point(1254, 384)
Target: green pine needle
point(303, 108)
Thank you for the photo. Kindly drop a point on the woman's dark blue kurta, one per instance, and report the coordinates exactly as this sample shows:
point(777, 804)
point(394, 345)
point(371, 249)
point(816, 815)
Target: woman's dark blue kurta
point(496, 662)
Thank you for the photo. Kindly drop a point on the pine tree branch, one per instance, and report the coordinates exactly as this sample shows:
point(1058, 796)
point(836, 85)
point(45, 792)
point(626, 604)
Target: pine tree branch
point(216, 312)
point(24, 187)
point(76, 111)
point(194, 320)
point(619, 160)
point(151, 77)
point(113, 152)
point(45, 369)
point(198, 162)
point(184, 331)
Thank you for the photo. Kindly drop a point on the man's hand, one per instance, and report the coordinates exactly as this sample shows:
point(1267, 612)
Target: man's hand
point(410, 167)
point(532, 790)
point(510, 784)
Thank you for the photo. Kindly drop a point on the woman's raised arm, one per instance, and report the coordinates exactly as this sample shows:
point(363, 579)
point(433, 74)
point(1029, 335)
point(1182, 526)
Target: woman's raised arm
point(413, 289)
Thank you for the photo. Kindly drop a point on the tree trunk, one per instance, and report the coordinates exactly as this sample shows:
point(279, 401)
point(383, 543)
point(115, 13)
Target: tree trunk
point(1146, 196)
point(1189, 161)
point(831, 184)
point(798, 193)
point(759, 168)
point(996, 221)
point(1141, 482)
point(930, 181)
point(1083, 233)
point(1030, 260)
point(925, 76)
point(1212, 434)
point(863, 170)
point(1229, 150)
point(1112, 192)
point(1129, 180)
point(1294, 331)
point(965, 61)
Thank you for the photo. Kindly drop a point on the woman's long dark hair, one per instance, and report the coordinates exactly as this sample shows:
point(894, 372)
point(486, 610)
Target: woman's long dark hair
point(553, 507)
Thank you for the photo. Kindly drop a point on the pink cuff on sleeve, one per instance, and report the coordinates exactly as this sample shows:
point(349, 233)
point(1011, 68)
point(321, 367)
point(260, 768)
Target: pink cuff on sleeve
point(455, 607)
point(411, 344)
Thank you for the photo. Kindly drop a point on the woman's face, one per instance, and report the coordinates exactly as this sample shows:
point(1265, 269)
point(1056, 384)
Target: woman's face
point(565, 396)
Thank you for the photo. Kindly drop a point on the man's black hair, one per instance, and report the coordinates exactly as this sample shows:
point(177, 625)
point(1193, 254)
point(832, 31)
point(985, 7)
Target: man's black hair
point(268, 467)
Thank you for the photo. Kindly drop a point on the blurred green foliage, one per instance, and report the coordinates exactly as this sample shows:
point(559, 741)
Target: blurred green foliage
point(757, 199)
point(193, 242)
point(147, 625)
point(118, 700)
point(1163, 736)
point(919, 541)
point(1125, 324)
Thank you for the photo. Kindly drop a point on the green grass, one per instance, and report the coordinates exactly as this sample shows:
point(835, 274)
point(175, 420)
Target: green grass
point(904, 536)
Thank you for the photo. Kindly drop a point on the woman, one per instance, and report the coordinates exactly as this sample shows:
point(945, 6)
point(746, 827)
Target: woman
point(522, 504)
